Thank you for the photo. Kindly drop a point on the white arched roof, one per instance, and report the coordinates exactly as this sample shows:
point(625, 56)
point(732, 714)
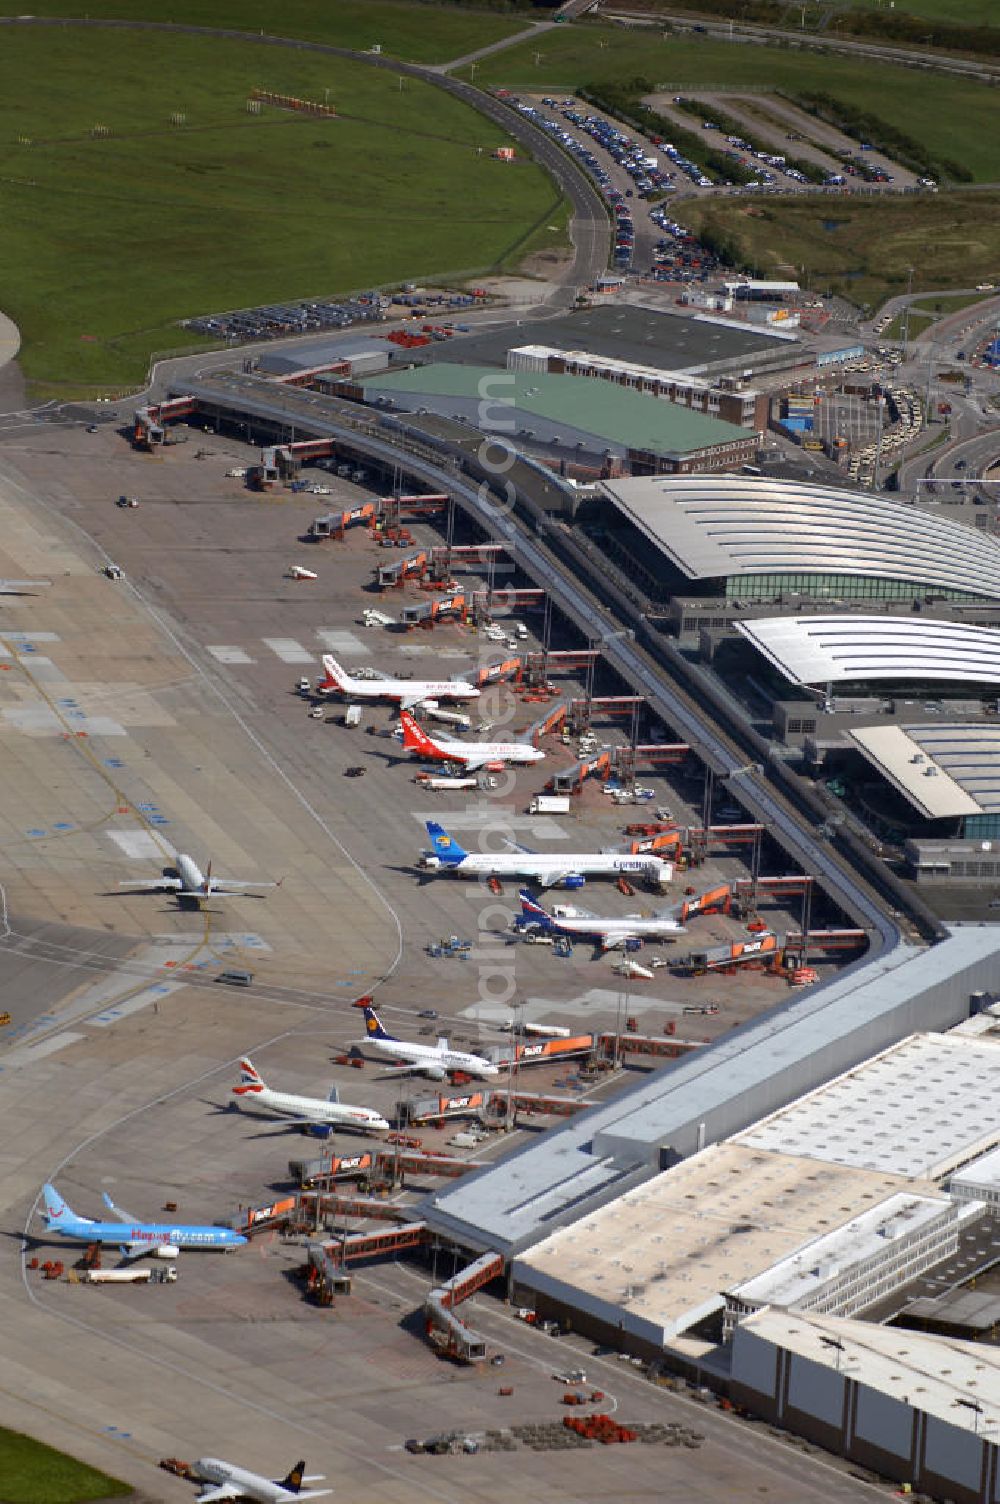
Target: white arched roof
point(730, 525)
point(818, 650)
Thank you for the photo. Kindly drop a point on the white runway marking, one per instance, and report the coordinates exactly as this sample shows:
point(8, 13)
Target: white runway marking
point(138, 845)
point(21, 637)
point(288, 650)
point(39, 720)
point(496, 817)
point(133, 1004)
point(32, 1052)
point(343, 643)
point(229, 655)
point(43, 668)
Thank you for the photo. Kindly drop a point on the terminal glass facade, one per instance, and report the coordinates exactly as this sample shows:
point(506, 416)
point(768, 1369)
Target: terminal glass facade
point(840, 586)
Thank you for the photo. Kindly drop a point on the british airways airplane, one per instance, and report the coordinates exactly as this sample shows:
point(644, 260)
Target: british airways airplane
point(133, 1237)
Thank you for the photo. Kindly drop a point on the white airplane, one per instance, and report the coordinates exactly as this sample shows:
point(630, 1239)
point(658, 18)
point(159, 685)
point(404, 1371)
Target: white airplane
point(300, 572)
point(191, 882)
point(609, 933)
point(305, 1109)
point(224, 1480)
point(630, 968)
point(471, 755)
point(434, 1060)
point(408, 692)
point(430, 781)
point(547, 871)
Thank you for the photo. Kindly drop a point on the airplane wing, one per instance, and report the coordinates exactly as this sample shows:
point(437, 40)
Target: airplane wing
point(117, 1211)
point(15, 587)
point(551, 879)
point(410, 702)
point(224, 1491)
point(521, 850)
point(152, 884)
point(473, 761)
point(224, 884)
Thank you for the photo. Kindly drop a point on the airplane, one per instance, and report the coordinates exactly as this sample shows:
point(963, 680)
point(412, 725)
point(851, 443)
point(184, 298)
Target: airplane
point(224, 1480)
point(408, 692)
point(305, 1109)
point(434, 1060)
point(547, 871)
point(135, 1238)
point(471, 755)
point(191, 882)
point(609, 933)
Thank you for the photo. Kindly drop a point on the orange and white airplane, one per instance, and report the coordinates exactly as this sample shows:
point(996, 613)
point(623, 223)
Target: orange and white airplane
point(471, 755)
point(406, 692)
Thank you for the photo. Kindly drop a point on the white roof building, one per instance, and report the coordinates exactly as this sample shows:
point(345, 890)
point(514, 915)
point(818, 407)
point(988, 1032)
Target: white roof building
point(658, 1258)
point(920, 1109)
point(823, 651)
point(943, 770)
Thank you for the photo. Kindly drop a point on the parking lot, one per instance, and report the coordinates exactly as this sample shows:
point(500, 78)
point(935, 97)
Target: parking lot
point(160, 712)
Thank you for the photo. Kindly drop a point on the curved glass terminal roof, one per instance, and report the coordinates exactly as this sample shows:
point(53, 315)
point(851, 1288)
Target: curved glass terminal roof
point(714, 527)
point(818, 650)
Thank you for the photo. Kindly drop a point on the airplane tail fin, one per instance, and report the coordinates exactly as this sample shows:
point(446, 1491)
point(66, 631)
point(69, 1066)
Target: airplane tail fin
point(251, 1079)
point(445, 846)
point(55, 1210)
point(415, 739)
point(373, 1024)
point(293, 1482)
point(336, 677)
point(534, 911)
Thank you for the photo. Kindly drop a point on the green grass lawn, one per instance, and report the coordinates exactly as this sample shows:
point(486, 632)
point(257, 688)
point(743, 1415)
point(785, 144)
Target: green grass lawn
point(104, 243)
point(953, 117)
point(864, 247)
point(31, 1473)
point(928, 310)
point(418, 32)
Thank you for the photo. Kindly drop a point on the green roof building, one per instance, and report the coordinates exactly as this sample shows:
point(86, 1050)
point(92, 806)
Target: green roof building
point(588, 425)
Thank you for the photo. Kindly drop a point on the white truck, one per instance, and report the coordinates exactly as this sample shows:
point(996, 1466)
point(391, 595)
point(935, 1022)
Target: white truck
point(549, 804)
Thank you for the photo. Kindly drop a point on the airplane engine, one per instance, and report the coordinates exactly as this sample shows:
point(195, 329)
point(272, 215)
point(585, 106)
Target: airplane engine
point(436, 1072)
point(166, 1251)
point(574, 880)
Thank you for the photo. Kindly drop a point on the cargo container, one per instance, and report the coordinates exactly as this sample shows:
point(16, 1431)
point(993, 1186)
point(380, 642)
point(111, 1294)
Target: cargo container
point(550, 804)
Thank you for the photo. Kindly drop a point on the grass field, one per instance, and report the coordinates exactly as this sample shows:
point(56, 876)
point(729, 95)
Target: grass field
point(951, 116)
point(31, 1473)
point(928, 310)
point(418, 32)
point(864, 248)
point(105, 242)
point(961, 12)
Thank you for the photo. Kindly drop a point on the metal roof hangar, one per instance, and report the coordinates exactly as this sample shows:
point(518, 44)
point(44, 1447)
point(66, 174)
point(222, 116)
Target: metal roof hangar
point(753, 539)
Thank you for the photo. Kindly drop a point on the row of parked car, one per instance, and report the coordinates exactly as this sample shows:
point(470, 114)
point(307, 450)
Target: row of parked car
point(277, 319)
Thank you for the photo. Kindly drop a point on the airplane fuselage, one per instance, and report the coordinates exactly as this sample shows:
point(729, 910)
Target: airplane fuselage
point(153, 1234)
point(429, 1057)
point(313, 1109)
point(545, 869)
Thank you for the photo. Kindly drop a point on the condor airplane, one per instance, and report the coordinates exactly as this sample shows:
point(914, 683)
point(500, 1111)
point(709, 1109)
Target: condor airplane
point(408, 692)
point(434, 1060)
point(304, 1109)
point(191, 882)
point(608, 933)
point(471, 755)
point(548, 871)
point(134, 1238)
point(224, 1480)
